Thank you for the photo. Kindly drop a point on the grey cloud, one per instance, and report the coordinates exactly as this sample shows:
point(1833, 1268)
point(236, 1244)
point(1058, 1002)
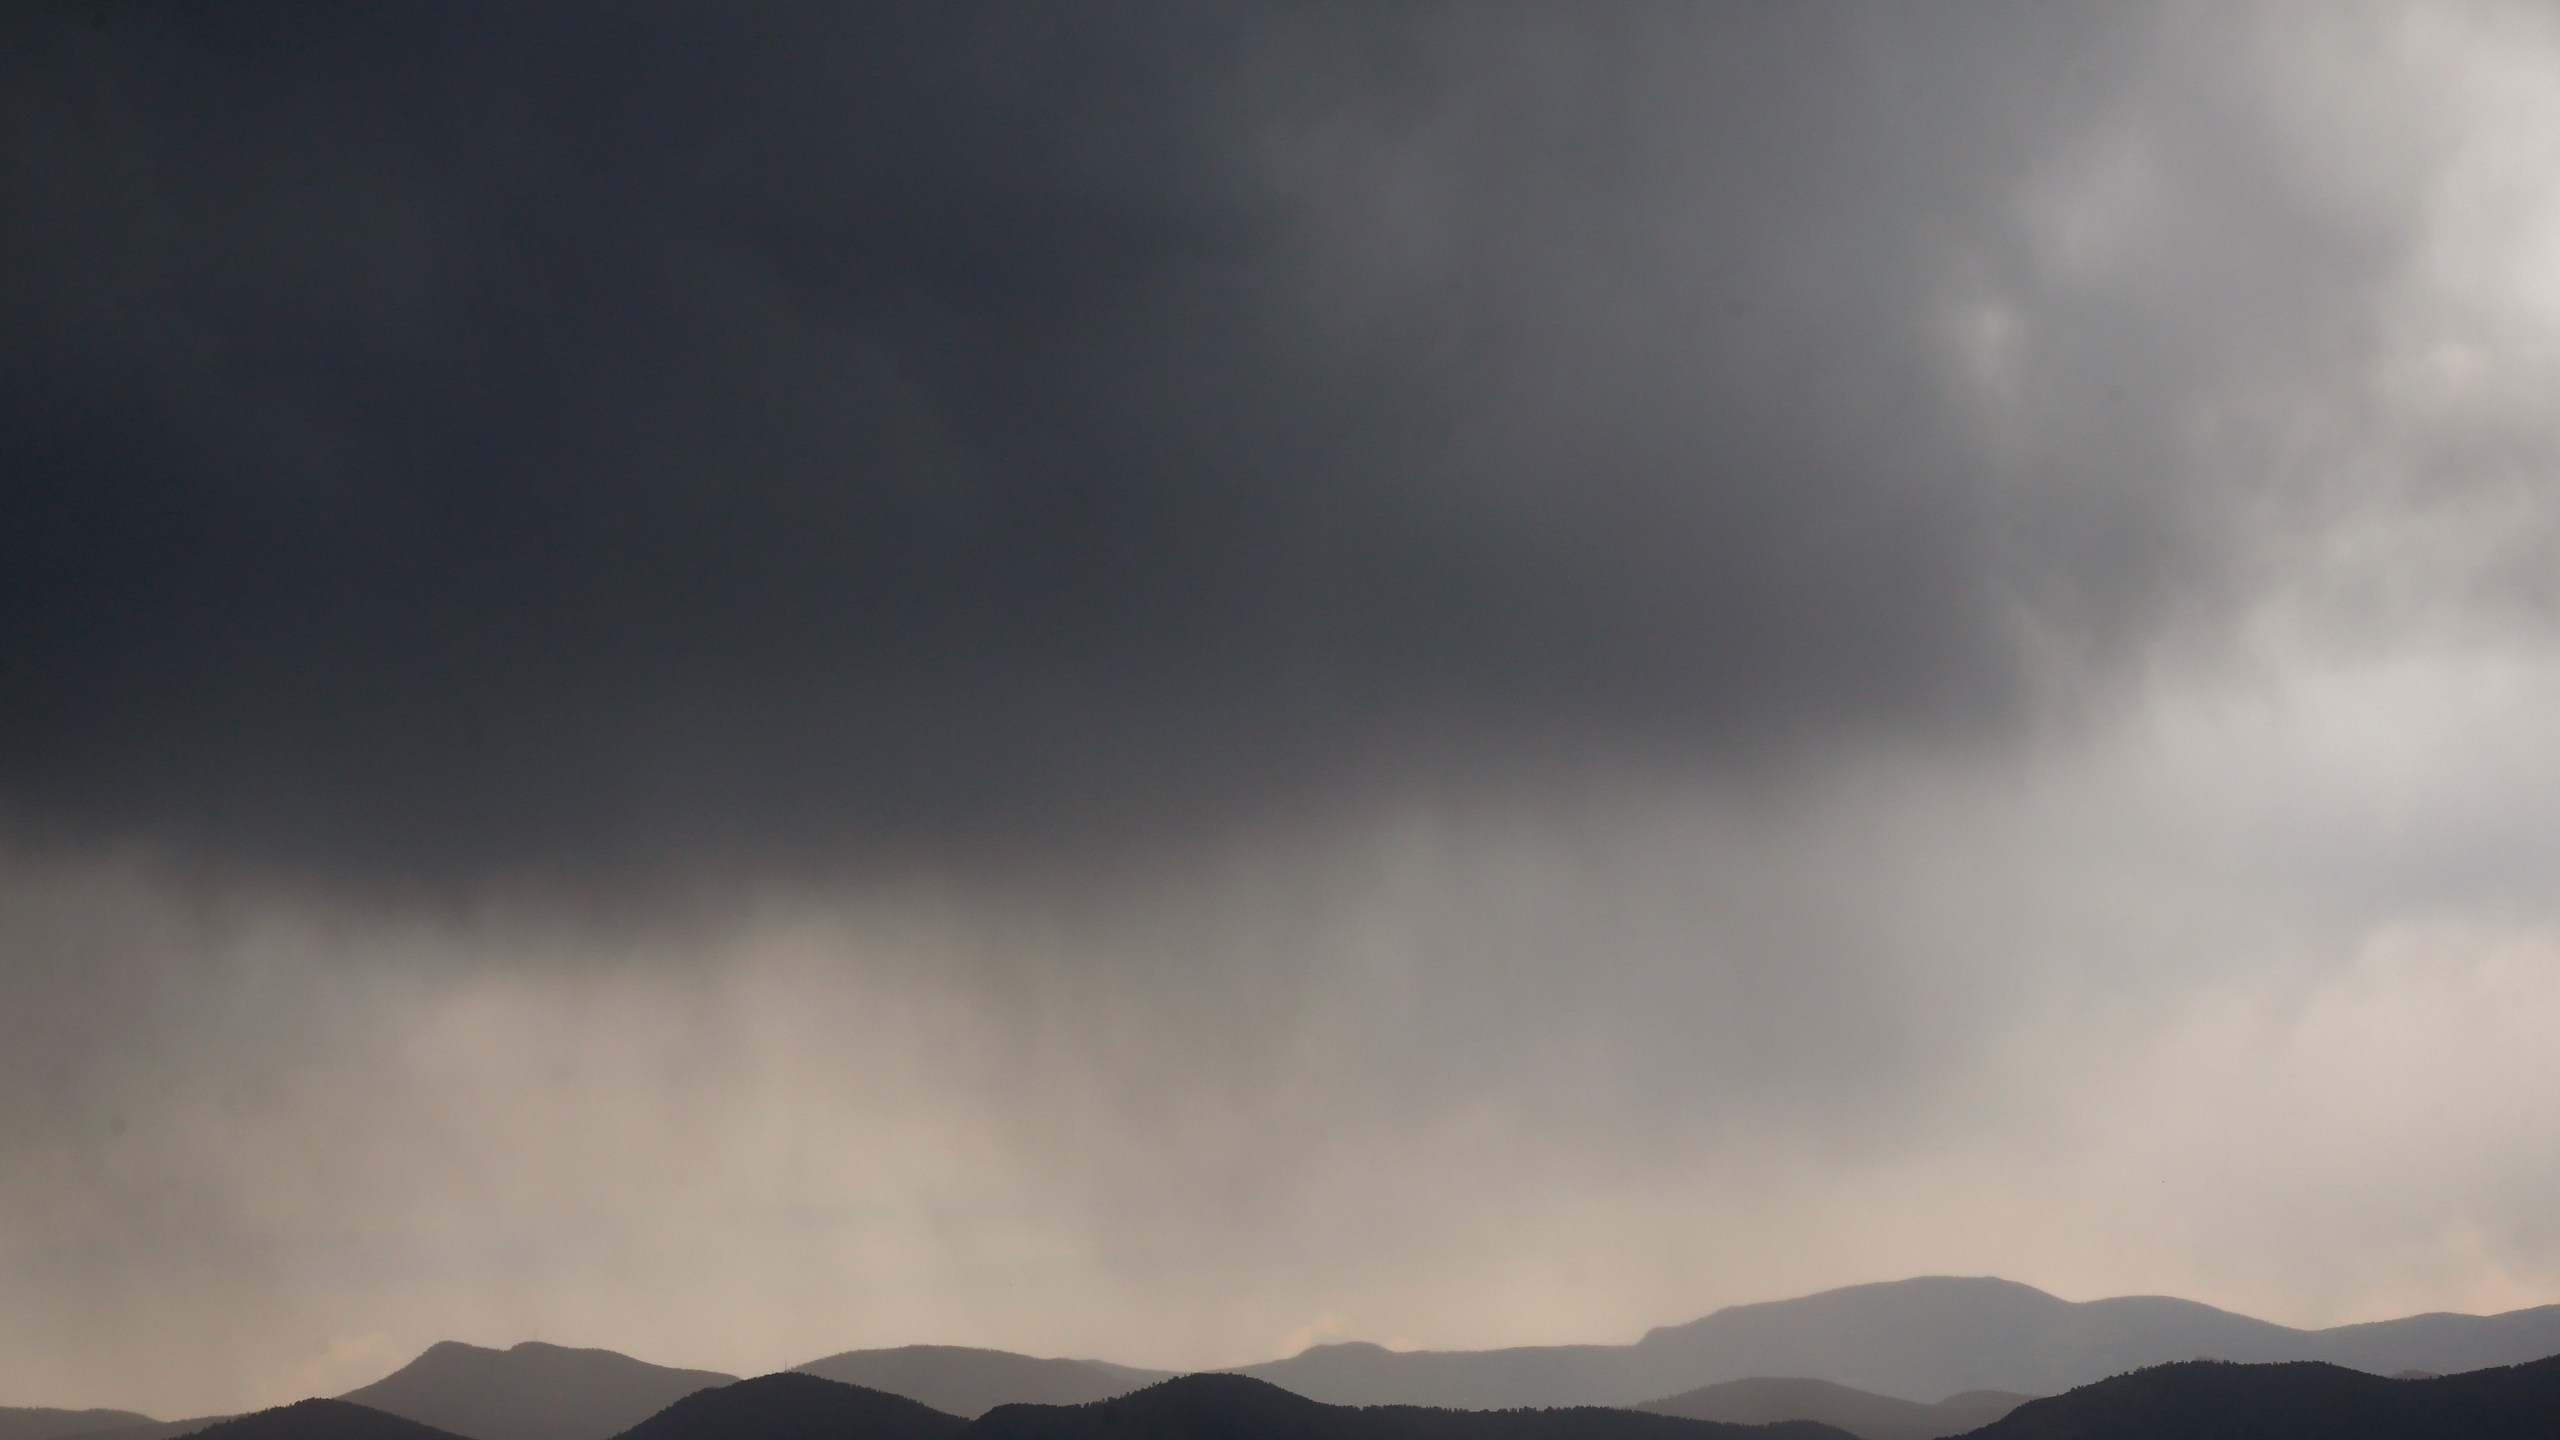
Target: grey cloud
point(453, 444)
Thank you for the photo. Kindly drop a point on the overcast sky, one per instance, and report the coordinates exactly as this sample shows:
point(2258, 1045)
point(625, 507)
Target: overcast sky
point(1166, 681)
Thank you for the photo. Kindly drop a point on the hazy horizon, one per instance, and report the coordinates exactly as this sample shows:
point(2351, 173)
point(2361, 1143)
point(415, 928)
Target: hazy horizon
point(1160, 683)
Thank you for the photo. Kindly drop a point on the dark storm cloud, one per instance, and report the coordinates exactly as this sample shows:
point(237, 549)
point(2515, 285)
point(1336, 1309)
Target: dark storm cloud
point(1457, 675)
point(466, 440)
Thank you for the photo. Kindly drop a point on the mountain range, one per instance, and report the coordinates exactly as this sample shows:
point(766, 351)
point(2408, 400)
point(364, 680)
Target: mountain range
point(2194, 1400)
point(1921, 1339)
point(1905, 1360)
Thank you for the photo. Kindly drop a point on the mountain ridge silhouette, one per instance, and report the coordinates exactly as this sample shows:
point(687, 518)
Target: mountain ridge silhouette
point(790, 1405)
point(1223, 1405)
point(530, 1391)
point(2295, 1400)
point(1919, 1341)
point(322, 1419)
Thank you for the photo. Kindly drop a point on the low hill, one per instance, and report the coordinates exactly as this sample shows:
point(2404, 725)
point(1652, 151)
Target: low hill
point(148, 1429)
point(38, 1422)
point(2307, 1400)
point(322, 1420)
point(1763, 1399)
point(962, 1380)
point(1359, 1373)
point(793, 1406)
point(532, 1391)
point(1236, 1407)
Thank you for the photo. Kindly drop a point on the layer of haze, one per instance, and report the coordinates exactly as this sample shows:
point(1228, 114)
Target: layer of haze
point(1166, 682)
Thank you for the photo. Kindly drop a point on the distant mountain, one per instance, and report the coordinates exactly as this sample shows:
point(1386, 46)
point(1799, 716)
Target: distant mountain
point(530, 1392)
point(1912, 1339)
point(37, 1422)
point(322, 1420)
point(1236, 1407)
point(2303, 1400)
point(961, 1380)
point(793, 1406)
point(1868, 1416)
point(1939, 1336)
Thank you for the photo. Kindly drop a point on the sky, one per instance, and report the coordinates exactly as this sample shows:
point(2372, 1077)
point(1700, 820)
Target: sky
point(1163, 682)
